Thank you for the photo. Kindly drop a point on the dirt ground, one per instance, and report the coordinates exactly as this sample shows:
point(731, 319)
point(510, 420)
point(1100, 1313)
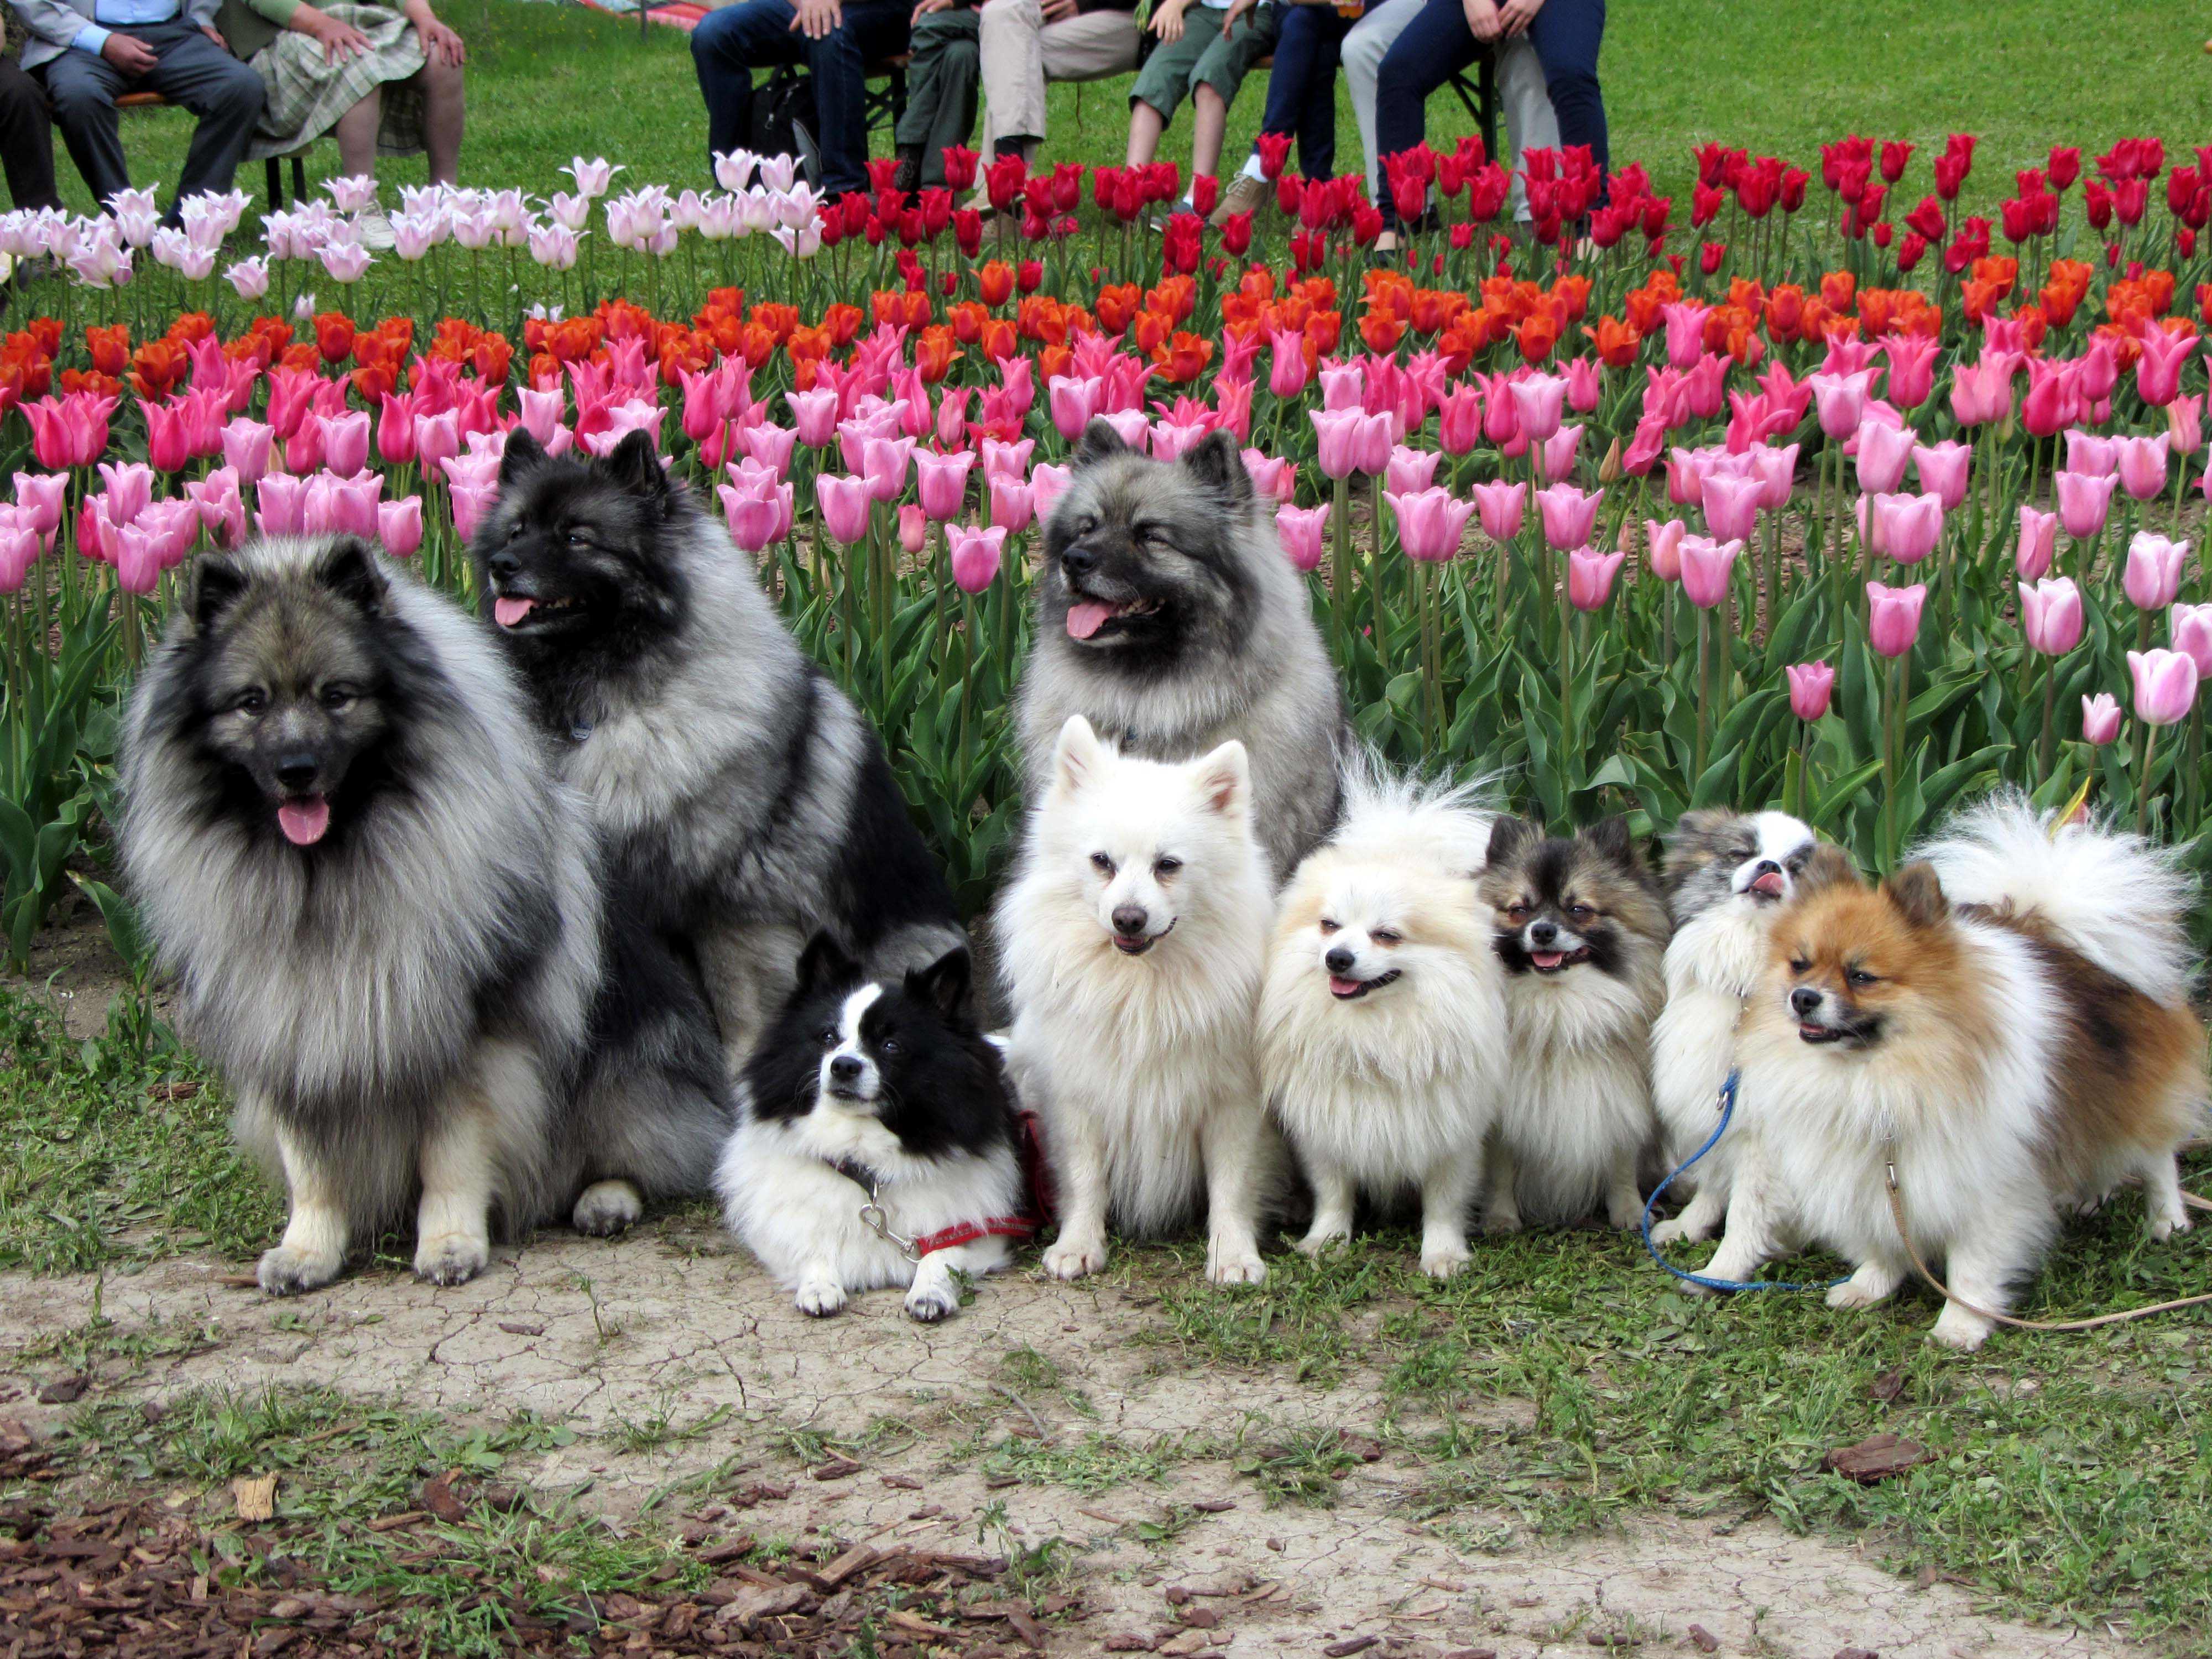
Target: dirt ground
point(670, 1328)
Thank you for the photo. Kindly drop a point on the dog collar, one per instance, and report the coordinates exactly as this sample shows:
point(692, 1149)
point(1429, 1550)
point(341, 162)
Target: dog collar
point(944, 1238)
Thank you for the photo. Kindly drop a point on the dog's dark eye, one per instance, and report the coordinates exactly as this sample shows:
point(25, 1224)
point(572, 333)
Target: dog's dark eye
point(1799, 965)
point(1581, 912)
point(514, 530)
point(1517, 912)
point(1101, 864)
point(1166, 867)
point(335, 697)
point(1858, 978)
point(888, 1046)
point(826, 1036)
point(578, 538)
point(251, 700)
point(1386, 936)
point(1327, 926)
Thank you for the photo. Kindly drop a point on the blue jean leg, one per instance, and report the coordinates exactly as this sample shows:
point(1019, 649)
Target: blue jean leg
point(1567, 34)
point(730, 43)
point(1301, 86)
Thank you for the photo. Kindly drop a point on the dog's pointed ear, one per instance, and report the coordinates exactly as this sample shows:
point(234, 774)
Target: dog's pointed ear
point(1078, 756)
point(1099, 440)
point(1217, 462)
point(634, 465)
point(348, 568)
point(218, 584)
point(1508, 835)
point(523, 456)
point(1918, 895)
point(1224, 779)
point(1826, 865)
point(944, 984)
point(1611, 839)
point(824, 964)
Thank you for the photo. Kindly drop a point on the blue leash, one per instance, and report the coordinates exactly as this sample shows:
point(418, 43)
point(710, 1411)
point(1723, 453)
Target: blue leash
point(1728, 1111)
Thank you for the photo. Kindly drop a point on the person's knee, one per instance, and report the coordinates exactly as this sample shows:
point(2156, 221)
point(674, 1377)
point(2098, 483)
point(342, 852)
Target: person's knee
point(1363, 55)
point(79, 98)
point(240, 95)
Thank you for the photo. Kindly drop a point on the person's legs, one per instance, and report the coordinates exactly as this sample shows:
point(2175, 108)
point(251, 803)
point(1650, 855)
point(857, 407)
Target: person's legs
point(84, 88)
point(225, 93)
point(1164, 82)
point(1429, 50)
point(728, 45)
point(1529, 122)
point(1566, 34)
point(1317, 109)
point(872, 28)
point(445, 113)
point(941, 80)
point(1363, 52)
point(1297, 41)
point(356, 133)
point(1215, 81)
point(1021, 52)
point(26, 139)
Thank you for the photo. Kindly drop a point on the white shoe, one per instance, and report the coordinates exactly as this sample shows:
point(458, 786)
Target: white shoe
point(374, 230)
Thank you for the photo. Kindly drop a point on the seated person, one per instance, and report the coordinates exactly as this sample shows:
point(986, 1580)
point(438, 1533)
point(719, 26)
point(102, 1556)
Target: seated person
point(943, 73)
point(1301, 96)
point(380, 82)
point(1205, 50)
point(1447, 35)
point(1026, 43)
point(87, 53)
point(26, 139)
point(834, 39)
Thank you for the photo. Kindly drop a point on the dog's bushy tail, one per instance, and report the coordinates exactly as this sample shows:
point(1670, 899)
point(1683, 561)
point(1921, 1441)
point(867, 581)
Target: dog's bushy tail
point(1390, 815)
point(2118, 899)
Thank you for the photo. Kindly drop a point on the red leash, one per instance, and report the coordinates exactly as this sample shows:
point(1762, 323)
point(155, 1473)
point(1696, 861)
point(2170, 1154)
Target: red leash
point(1035, 1171)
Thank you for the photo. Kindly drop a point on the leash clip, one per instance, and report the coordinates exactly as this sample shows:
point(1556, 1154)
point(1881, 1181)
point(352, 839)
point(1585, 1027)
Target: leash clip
point(877, 1222)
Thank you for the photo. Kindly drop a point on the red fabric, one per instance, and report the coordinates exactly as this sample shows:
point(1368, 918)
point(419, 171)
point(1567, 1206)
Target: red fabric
point(966, 1232)
point(679, 14)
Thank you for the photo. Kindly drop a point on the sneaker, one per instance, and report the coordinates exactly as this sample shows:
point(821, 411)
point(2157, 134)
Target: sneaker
point(1245, 194)
point(980, 202)
point(373, 231)
point(1161, 215)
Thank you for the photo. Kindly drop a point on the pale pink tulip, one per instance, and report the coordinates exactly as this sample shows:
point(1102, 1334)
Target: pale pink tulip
point(1883, 452)
point(1943, 469)
point(977, 554)
point(2154, 570)
point(2038, 542)
point(1499, 507)
point(1431, 523)
point(2084, 499)
point(1589, 577)
point(1663, 545)
point(1894, 617)
point(2100, 719)
point(1810, 685)
point(2141, 465)
point(2050, 616)
point(2189, 630)
point(2166, 685)
point(1300, 530)
point(1568, 513)
point(844, 504)
point(1707, 568)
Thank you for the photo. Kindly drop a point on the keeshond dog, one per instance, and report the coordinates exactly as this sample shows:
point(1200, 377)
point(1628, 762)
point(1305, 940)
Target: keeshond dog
point(1169, 618)
point(383, 916)
point(1580, 928)
point(746, 804)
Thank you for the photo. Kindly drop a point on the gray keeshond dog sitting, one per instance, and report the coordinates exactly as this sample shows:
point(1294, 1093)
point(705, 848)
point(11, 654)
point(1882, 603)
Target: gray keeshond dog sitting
point(386, 922)
point(1169, 618)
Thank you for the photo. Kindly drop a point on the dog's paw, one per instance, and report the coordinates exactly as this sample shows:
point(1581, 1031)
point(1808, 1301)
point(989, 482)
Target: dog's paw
point(818, 1298)
point(2091, 1205)
point(1627, 1219)
point(1666, 1232)
point(1956, 1328)
point(1237, 1267)
point(1319, 1240)
point(1075, 1258)
point(285, 1271)
point(1498, 1224)
point(2163, 1227)
point(607, 1207)
point(450, 1258)
point(933, 1303)
point(1445, 1260)
point(1852, 1294)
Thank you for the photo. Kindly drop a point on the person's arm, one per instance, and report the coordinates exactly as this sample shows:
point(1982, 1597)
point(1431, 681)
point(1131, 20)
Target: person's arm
point(441, 40)
point(59, 26)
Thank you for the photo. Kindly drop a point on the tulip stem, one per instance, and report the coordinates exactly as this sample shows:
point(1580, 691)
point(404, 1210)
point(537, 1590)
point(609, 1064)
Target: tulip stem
point(1705, 699)
point(1567, 751)
point(2146, 749)
point(2046, 749)
point(1339, 584)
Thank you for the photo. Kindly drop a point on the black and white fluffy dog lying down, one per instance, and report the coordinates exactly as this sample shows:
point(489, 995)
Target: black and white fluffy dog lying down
point(877, 1143)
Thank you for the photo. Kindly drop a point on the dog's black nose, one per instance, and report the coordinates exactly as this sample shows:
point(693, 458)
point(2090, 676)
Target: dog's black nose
point(298, 771)
point(503, 564)
point(1078, 561)
point(1339, 960)
point(844, 1068)
point(1129, 920)
point(1804, 1002)
point(1765, 867)
point(1542, 932)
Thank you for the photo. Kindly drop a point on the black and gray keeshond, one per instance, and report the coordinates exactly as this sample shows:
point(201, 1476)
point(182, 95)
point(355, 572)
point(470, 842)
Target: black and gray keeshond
point(1169, 618)
point(384, 916)
point(746, 804)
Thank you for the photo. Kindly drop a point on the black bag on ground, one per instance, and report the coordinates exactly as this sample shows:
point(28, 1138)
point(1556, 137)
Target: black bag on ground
point(783, 119)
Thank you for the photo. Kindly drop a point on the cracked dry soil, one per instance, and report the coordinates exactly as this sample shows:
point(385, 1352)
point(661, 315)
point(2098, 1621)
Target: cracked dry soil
point(671, 1326)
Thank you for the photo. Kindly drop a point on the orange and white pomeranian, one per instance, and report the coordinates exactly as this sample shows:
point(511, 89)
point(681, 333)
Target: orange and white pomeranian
point(2008, 1019)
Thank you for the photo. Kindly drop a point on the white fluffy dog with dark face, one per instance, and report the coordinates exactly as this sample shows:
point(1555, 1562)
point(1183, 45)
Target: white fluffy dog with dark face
point(1132, 944)
point(1382, 1029)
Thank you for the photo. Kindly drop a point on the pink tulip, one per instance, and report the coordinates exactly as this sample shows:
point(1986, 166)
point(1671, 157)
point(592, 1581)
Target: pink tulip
point(1343, 386)
point(951, 417)
point(1894, 617)
point(757, 509)
point(1459, 419)
point(1568, 513)
point(913, 528)
point(1585, 385)
point(815, 415)
point(1731, 503)
point(1685, 331)
point(1410, 470)
point(2184, 423)
point(399, 525)
point(2092, 452)
point(2050, 616)
point(137, 559)
point(1911, 368)
point(2141, 465)
point(1300, 530)
point(1883, 452)
point(1776, 472)
point(1007, 459)
point(436, 437)
point(1943, 468)
point(19, 550)
point(771, 446)
point(1841, 400)
point(1013, 506)
point(1270, 476)
point(1341, 445)
point(1907, 528)
point(1287, 368)
point(1981, 392)
point(1663, 545)
point(1431, 523)
point(2084, 499)
point(884, 463)
point(2038, 542)
point(168, 446)
point(1047, 483)
point(130, 490)
point(280, 504)
point(1589, 577)
point(976, 553)
point(39, 497)
point(222, 508)
point(942, 482)
point(1073, 401)
point(1555, 456)
point(2158, 371)
point(469, 502)
point(844, 504)
point(1499, 507)
point(1810, 685)
point(2189, 630)
point(1706, 567)
point(2166, 685)
point(345, 441)
point(1538, 404)
point(2100, 719)
point(2154, 570)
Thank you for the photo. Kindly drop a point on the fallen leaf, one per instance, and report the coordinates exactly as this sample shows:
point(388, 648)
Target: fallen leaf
point(1888, 1386)
point(901, 1483)
point(255, 1496)
point(439, 1497)
point(522, 1326)
point(1877, 1459)
point(1351, 1644)
point(837, 1468)
point(64, 1390)
point(1214, 1505)
point(1706, 1641)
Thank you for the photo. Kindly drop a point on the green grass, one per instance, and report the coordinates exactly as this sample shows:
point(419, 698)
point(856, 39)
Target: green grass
point(548, 81)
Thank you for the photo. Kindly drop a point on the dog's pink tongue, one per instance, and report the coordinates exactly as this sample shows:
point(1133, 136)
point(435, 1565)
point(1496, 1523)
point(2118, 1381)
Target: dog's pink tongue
point(1769, 884)
point(1086, 619)
point(510, 611)
point(1342, 988)
point(1547, 959)
point(304, 822)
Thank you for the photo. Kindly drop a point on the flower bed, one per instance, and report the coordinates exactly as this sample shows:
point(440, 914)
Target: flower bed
point(1862, 521)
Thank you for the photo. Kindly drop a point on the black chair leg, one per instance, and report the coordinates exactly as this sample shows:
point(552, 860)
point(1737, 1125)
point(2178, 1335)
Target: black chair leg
point(1487, 87)
point(275, 190)
point(298, 179)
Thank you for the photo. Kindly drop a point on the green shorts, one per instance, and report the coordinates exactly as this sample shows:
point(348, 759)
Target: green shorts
point(1201, 57)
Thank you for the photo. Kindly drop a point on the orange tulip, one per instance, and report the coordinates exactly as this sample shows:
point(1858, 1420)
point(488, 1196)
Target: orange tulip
point(995, 282)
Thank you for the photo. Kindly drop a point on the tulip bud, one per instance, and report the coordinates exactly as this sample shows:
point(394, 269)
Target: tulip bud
point(1811, 684)
point(2100, 719)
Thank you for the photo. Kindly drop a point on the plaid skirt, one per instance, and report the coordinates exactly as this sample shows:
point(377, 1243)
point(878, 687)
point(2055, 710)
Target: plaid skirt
point(308, 93)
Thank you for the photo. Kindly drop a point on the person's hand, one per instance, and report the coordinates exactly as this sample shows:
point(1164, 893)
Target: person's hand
point(214, 35)
point(1059, 11)
point(1518, 15)
point(1167, 20)
point(340, 39)
point(443, 43)
point(130, 54)
point(816, 19)
point(1483, 19)
point(926, 7)
point(1236, 9)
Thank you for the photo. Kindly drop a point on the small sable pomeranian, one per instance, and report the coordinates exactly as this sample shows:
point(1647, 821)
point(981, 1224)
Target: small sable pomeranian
point(1727, 876)
point(1581, 930)
point(2006, 1019)
point(1382, 1016)
point(1132, 943)
point(874, 1090)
